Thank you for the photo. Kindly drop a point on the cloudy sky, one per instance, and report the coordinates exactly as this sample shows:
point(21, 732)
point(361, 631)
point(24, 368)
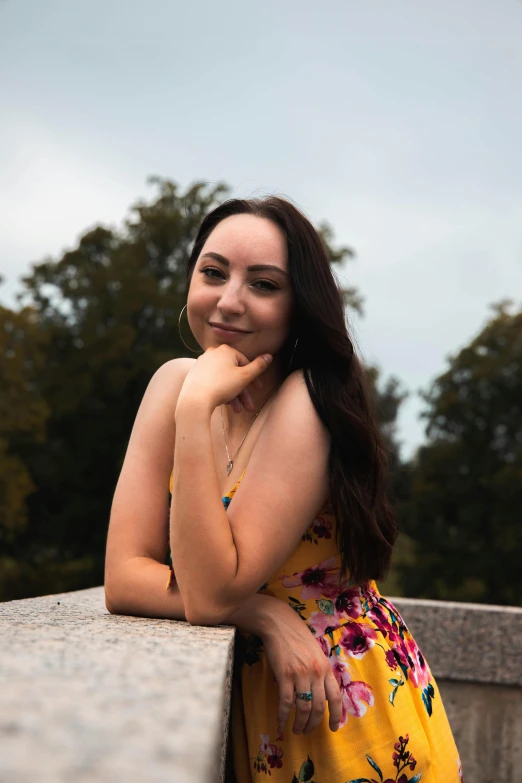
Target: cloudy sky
point(398, 122)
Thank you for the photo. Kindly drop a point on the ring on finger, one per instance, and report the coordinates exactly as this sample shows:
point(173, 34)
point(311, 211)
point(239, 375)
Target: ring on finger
point(302, 699)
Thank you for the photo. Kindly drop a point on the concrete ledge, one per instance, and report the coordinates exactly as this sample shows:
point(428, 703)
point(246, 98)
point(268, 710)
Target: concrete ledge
point(486, 721)
point(474, 651)
point(467, 642)
point(90, 696)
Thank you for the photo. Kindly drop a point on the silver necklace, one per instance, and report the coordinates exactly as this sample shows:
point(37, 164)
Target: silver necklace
point(230, 463)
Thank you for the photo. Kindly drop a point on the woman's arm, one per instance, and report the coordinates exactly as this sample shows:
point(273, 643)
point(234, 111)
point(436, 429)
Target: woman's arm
point(139, 591)
point(221, 556)
point(292, 652)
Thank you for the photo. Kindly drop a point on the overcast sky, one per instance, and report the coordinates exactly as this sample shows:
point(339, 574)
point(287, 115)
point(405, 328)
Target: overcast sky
point(398, 122)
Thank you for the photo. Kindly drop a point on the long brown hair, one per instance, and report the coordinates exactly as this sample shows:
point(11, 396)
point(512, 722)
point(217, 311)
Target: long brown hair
point(337, 384)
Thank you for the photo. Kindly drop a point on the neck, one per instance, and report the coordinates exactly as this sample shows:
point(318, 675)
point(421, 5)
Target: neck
point(238, 423)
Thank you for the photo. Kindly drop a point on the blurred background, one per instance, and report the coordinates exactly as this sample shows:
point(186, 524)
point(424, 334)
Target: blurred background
point(395, 126)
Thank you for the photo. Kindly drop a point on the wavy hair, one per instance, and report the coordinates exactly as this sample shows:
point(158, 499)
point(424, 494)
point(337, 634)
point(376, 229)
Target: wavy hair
point(338, 386)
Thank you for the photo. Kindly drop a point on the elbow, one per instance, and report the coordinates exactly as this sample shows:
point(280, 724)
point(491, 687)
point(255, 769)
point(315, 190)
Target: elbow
point(205, 616)
point(211, 610)
point(110, 606)
point(197, 617)
point(193, 619)
point(111, 602)
point(115, 589)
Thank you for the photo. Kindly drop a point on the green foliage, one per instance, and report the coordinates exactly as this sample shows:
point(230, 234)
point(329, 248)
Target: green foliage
point(107, 312)
point(336, 256)
point(23, 413)
point(388, 400)
point(466, 501)
point(101, 319)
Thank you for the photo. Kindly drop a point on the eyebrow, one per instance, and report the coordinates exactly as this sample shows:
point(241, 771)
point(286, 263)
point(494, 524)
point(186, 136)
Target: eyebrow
point(251, 268)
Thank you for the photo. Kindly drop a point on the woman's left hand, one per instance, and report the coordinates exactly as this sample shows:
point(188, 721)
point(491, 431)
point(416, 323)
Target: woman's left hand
point(222, 375)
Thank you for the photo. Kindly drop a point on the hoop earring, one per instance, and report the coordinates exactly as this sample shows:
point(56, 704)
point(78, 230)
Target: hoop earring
point(179, 329)
point(291, 358)
point(196, 351)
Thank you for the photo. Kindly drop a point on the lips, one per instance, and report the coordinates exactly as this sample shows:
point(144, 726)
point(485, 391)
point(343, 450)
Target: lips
point(228, 328)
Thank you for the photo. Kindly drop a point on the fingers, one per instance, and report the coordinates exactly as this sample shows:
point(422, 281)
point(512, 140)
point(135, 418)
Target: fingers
point(235, 405)
point(243, 401)
point(302, 708)
point(318, 703)
point(286, 702)
point(335, 700)
point(244, 398)
point(255, 368)
point(309, 714)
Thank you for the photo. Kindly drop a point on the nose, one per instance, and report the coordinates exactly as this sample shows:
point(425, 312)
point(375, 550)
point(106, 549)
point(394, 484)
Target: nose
point(231, 299)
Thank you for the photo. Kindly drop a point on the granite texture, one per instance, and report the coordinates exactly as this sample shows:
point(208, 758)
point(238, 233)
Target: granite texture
point(465, 641)
point(90, 696)
point(486, 721)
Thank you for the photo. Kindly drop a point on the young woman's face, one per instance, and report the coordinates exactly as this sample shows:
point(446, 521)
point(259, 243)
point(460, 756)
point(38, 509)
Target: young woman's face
point(225, 290)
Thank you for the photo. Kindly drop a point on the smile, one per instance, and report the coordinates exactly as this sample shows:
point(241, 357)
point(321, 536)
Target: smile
point(227, 332)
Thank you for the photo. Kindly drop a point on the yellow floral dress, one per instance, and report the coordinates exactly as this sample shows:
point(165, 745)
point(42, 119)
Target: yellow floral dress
point(394, 728)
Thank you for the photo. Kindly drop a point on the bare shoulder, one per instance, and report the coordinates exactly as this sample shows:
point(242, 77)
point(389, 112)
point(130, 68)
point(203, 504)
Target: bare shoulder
point(139, 515)
point(166, 383)
point(294, 421)
point(293, 399)
point(285, 485)
point(175, 369)
point(295, 379)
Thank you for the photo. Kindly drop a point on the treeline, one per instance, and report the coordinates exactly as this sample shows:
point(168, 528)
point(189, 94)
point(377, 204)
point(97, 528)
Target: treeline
point(93, 327)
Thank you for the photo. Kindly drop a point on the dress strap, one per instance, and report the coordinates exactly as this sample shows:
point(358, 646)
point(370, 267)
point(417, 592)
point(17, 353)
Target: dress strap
point(231, 492)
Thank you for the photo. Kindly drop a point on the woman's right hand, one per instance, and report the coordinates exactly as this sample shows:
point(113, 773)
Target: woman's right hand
point(299, 664)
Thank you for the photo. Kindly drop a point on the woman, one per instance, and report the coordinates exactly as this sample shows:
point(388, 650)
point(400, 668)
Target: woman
point(279, 521)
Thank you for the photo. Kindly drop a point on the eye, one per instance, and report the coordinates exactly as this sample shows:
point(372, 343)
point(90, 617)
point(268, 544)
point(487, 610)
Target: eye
point(271, 286)
point(210, 269)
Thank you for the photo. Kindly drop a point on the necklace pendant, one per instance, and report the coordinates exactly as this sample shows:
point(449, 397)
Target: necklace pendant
point(229, 467)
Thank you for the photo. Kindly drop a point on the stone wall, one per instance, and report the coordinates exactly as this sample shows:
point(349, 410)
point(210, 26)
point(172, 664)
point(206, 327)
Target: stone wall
point(475, 653)
point(86, 696)
point(89, 696)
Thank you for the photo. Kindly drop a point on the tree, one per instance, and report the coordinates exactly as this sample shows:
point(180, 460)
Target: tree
point(109, 312)
point(466, 499)
point(23, 412)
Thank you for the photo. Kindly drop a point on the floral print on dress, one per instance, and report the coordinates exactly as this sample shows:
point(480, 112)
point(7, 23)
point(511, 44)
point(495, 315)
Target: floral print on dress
point(365, 619)
point(403, 761)
point(306, 772)
point(320, 579)
point(357, 630)
point(321, 527)
point(270, 757)
point(356, 695)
